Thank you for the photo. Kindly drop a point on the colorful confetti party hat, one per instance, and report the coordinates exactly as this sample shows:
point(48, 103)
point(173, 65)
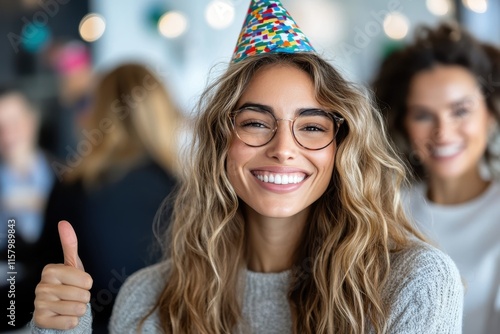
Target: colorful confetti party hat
point(269, 27)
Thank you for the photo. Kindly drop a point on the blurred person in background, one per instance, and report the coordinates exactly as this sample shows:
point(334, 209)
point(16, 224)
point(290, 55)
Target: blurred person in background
point(25, 182)
point(71, 61)
point(114, 180)
point(440, 96)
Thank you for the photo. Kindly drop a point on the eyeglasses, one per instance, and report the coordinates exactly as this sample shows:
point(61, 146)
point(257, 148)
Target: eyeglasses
point(313, 129)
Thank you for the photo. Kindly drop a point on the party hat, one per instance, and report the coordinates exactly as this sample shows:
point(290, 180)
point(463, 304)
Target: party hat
point(268, 28)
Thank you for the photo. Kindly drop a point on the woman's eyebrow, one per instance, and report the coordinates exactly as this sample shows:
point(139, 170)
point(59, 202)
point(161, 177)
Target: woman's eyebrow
point(463, 102)
point(312, 112)
point(263, 107)
point(257, 106)
point(466, 101)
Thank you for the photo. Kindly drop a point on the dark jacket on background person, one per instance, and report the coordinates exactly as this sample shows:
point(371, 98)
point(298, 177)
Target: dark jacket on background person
point(114, 225)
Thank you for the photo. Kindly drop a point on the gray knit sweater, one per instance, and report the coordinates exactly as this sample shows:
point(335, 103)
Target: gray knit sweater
point(424, 292)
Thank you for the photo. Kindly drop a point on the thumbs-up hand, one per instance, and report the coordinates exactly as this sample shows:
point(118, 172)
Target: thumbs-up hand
point(69, 244)
point(63, 292)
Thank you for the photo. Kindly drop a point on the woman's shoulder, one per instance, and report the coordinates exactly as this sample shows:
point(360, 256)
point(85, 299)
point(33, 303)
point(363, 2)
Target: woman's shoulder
point(494, 189)
point(424, 290)
point(137, 297)
point(149, 278)
point(421, 263)
point(420, 258)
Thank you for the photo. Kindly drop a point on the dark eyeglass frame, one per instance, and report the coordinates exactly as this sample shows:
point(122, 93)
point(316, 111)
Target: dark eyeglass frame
point(338, 121)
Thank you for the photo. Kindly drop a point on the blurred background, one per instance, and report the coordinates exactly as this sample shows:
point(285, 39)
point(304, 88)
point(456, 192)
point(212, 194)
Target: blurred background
point(52, 47)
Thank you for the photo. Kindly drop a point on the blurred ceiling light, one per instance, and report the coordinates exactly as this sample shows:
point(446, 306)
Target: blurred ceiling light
point(439, 7)
point(396, 25)
point(92, 26)
point(323, 21)
point(478, 6)
point(172, 24)
point(219, 14)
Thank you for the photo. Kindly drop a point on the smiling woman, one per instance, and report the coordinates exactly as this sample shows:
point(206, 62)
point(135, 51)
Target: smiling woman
point(288, 219)
point(289, 92)
point(448, 122)
point(440, 96)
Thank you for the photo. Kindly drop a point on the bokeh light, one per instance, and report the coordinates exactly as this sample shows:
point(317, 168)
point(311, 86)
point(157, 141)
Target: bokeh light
point(323, 21)
point(172, 24)
point(219, 14)
point(439, 7)
point(396, 25)
point(478, 6)
point(92, 27)
point(35, 37)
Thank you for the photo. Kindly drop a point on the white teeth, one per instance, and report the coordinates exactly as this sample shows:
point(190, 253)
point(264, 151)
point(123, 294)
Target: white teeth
point(446, 151)
point(281, 178)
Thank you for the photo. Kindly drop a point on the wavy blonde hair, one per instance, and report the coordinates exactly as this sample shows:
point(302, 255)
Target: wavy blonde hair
point(352, 230)
point(143, 122)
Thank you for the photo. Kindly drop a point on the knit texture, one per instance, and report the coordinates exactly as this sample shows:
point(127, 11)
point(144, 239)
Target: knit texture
point(424, 292)
point(84, 326)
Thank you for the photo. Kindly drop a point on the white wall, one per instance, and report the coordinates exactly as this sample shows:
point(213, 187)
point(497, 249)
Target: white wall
point(485, 26)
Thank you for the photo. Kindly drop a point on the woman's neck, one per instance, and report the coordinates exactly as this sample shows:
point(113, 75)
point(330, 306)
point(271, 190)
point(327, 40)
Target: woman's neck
point(272, 242)
point(456, 191)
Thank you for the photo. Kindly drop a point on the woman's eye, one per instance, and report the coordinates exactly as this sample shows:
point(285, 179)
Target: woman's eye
point(253, 124)
point(422, 116)
point(312, 128)
point(460, 112)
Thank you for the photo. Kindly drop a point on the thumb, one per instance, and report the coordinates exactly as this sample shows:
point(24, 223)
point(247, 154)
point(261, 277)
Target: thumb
point(69, 244)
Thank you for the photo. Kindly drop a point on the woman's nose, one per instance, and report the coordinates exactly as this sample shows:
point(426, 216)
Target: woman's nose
point(283, 145)
point(444, 128)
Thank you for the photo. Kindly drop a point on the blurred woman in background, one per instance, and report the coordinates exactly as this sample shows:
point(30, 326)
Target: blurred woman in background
point(114, 180)
point(440, 96)
point(25, 182)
